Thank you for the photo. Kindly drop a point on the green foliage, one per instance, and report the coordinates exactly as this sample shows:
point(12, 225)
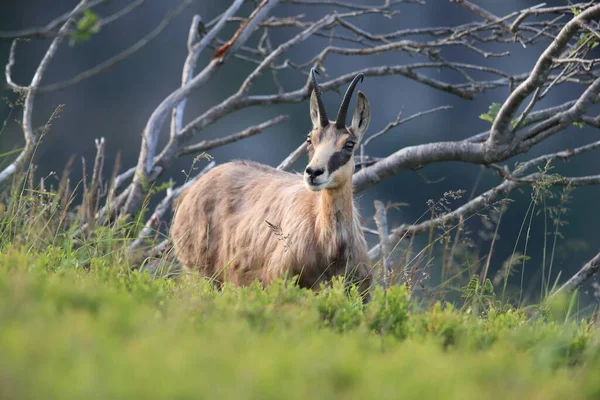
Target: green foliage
point(105, 331)
point(339, 310)
point(587, 39)
point(389, 312)
point(161, 188)
point(493, 111)
point(87, 25)
point(478, 297)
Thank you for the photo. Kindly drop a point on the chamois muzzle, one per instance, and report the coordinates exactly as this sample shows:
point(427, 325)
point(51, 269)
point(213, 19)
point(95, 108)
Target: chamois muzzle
point(322, 113)
point(314, 173)
point(340, 121)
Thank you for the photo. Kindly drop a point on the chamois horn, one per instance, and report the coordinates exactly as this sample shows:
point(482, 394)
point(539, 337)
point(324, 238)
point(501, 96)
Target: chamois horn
point(322, 113)
point(340, 122)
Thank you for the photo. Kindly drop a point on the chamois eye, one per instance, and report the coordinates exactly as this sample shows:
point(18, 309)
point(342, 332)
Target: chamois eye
point(308, 141)
point(349, 145)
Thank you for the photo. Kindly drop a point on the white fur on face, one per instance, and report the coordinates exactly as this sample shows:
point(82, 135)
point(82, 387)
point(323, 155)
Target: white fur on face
point(329, 156)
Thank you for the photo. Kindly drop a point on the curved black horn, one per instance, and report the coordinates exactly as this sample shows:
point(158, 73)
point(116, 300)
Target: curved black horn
point(322, 113)
point(340, 122)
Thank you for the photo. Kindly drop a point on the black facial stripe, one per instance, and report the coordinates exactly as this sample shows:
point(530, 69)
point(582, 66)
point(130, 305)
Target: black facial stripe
point(338, 159)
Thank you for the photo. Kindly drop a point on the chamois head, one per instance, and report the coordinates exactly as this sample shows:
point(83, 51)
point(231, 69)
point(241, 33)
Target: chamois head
point(331, 145)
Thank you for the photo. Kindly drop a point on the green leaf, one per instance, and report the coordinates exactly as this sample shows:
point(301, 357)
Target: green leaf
point(162, 187)
point(87, 25)
point(492, 112)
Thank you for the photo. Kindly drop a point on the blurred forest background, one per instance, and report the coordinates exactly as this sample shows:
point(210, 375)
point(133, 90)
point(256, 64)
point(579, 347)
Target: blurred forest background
point(117, 104)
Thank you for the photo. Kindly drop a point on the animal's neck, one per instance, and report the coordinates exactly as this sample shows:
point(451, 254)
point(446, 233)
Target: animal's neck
point(336, 208)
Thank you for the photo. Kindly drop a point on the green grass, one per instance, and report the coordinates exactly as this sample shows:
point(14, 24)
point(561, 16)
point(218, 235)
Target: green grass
point(102, 331)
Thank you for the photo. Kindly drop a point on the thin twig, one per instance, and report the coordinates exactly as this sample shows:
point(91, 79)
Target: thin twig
point(152, 129)
point(8, 68)
point(293, 157)
point(121, 13)
point(476, 205)
point(116, 59)
point(400, 121)
point(246, 133)
point(30, 137)
point(501, 134)
point(162, 207)
point(49, 30)
point(194, 51)
point(382, 230)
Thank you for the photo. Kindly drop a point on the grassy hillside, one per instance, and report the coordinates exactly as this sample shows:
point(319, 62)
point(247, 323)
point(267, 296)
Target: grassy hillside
point(69, 331)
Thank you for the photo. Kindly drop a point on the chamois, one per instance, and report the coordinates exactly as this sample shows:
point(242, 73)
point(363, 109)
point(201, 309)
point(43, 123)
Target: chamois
point(244, 221)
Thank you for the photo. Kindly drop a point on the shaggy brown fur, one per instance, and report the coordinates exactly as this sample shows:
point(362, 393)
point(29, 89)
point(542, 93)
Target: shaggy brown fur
point(244, 221)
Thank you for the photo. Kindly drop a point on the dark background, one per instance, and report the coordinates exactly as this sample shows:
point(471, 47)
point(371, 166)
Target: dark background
point(117, 104)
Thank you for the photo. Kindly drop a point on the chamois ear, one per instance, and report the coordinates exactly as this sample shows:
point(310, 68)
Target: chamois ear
point(314, 110)
point(361, 116)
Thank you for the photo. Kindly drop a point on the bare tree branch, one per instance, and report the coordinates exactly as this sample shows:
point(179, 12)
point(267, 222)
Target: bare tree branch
point(116, 59)
point(476, 153)
point(152, 130)
point(8, 68)
point(476, 205)
point(481, 202)
point(121, 13)
point(48, 30)
point(146, 163)
point(586, 272)
point(160, 249)
point(400, 121)
point(30, 137)
point(501, 134)
point(194, 51)
point(524, 14)
point(349, 6)
point(417, 156)
point(238, 101)
point(246, 133)
point(384, 244)
point(562, 155)
point(293, 157)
